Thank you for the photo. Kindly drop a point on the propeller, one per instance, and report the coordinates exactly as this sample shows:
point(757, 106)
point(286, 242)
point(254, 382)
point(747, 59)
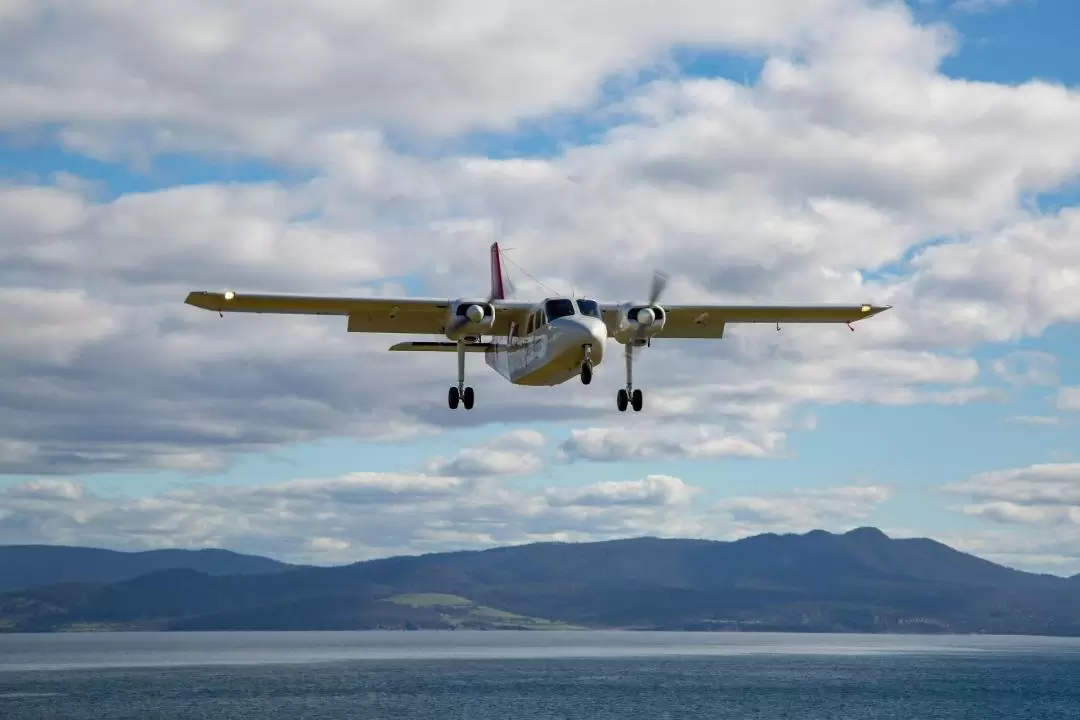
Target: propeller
point(471, 315)
point(646, 316)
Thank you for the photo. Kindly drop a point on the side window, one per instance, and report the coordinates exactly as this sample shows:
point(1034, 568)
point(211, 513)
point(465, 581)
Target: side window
point(531, 325)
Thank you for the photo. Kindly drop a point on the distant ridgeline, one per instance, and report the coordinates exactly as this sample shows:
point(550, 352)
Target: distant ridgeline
point(860, 581)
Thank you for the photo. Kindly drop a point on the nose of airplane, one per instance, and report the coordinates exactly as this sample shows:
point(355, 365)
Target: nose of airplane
point(595, 332)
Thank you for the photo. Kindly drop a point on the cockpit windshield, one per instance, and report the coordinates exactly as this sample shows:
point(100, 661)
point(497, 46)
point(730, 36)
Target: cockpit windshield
point(590, 308)
point(557, 308)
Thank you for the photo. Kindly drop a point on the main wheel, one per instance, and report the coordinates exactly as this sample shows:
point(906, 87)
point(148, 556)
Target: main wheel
point(454, 397)
point(467, 398)
point(586, 373)
point(622, 399)
point(636, 400)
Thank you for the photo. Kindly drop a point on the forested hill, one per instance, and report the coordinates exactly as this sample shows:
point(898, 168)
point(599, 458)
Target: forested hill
point(860, 581)
point(27, 566)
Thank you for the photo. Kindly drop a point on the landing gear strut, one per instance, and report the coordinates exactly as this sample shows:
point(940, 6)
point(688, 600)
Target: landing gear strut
point(628, 395)
point(460, 393)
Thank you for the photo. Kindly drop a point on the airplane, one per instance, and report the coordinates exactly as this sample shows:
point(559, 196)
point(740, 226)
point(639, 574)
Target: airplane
point(532, 343)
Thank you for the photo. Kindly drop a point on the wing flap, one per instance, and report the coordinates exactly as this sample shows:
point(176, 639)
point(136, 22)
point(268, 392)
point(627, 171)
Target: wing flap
point(436, 346)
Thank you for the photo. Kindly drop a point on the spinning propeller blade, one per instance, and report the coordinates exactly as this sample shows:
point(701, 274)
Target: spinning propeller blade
point(659, 284)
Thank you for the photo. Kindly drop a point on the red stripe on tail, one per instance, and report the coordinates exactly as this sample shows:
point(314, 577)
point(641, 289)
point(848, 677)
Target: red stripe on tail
point(498, 292)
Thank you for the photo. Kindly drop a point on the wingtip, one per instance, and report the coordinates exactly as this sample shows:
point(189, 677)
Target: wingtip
point(203, 299)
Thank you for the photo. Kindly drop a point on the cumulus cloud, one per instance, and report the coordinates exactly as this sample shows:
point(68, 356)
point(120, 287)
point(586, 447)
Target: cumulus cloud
point(1037, 485)
point(824, 181)
point(515, 453)
point(612, 444)
point(804, 510)
point(1044, 496)
point(363, 515)
point(267, 74)
point(654, 490)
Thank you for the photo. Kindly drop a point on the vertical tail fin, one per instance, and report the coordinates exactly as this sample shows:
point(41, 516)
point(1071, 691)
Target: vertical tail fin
point(498, 289)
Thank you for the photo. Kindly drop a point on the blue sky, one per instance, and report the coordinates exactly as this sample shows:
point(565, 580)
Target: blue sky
point(913, 449)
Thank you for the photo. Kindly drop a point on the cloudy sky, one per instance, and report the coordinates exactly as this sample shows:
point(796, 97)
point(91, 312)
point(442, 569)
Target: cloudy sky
point(923, 155)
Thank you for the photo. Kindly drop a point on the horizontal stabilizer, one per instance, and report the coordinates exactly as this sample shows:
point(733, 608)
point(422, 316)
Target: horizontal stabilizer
point(434, 346)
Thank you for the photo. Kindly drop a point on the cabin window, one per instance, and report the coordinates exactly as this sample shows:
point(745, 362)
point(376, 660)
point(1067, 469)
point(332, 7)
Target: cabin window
point(531, 325)
point(558, 308)
point(590, 308)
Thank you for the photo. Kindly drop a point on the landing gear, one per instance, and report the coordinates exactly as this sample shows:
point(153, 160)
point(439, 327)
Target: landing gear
point(460, 393)
point(466, 397)
point(628, 395)
point(586, 367)
point(633, 398)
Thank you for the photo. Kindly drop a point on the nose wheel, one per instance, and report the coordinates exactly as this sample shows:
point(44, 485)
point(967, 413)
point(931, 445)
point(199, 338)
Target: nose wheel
point(586, 366)
point(459, 393)
point(628, 395)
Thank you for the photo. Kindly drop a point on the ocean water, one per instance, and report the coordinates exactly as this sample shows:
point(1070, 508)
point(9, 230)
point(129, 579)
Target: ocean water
point(527, 676)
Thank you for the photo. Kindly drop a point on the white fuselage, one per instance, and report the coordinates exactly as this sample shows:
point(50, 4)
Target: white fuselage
point(551, 353)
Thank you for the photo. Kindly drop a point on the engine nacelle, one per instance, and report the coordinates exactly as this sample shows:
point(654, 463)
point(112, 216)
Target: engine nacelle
point(637, 324)
point(469, 319)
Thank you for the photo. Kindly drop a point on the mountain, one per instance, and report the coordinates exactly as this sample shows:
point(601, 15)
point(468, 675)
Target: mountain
point(29, 566)
point(860, 581)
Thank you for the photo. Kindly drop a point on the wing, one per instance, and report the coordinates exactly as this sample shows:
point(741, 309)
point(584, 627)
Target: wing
point(709, 321)
point(370, 314)
point(416, 316)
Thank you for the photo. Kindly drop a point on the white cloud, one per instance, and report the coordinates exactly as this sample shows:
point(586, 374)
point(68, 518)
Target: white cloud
point(654, 490)
point(1069, 398)
point(1026, 367)
point(1018, 546)
point(808, 186)
point(804, 510)
point(665, 442)
point(266, 72)
point(1037, 485)
point(514, 453)
point(363, 515)
point(1045, 496)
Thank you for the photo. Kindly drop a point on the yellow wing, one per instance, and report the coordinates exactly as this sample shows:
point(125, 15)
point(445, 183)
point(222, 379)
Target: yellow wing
point(708, 321)
point(371, 314)
point(415, 316)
